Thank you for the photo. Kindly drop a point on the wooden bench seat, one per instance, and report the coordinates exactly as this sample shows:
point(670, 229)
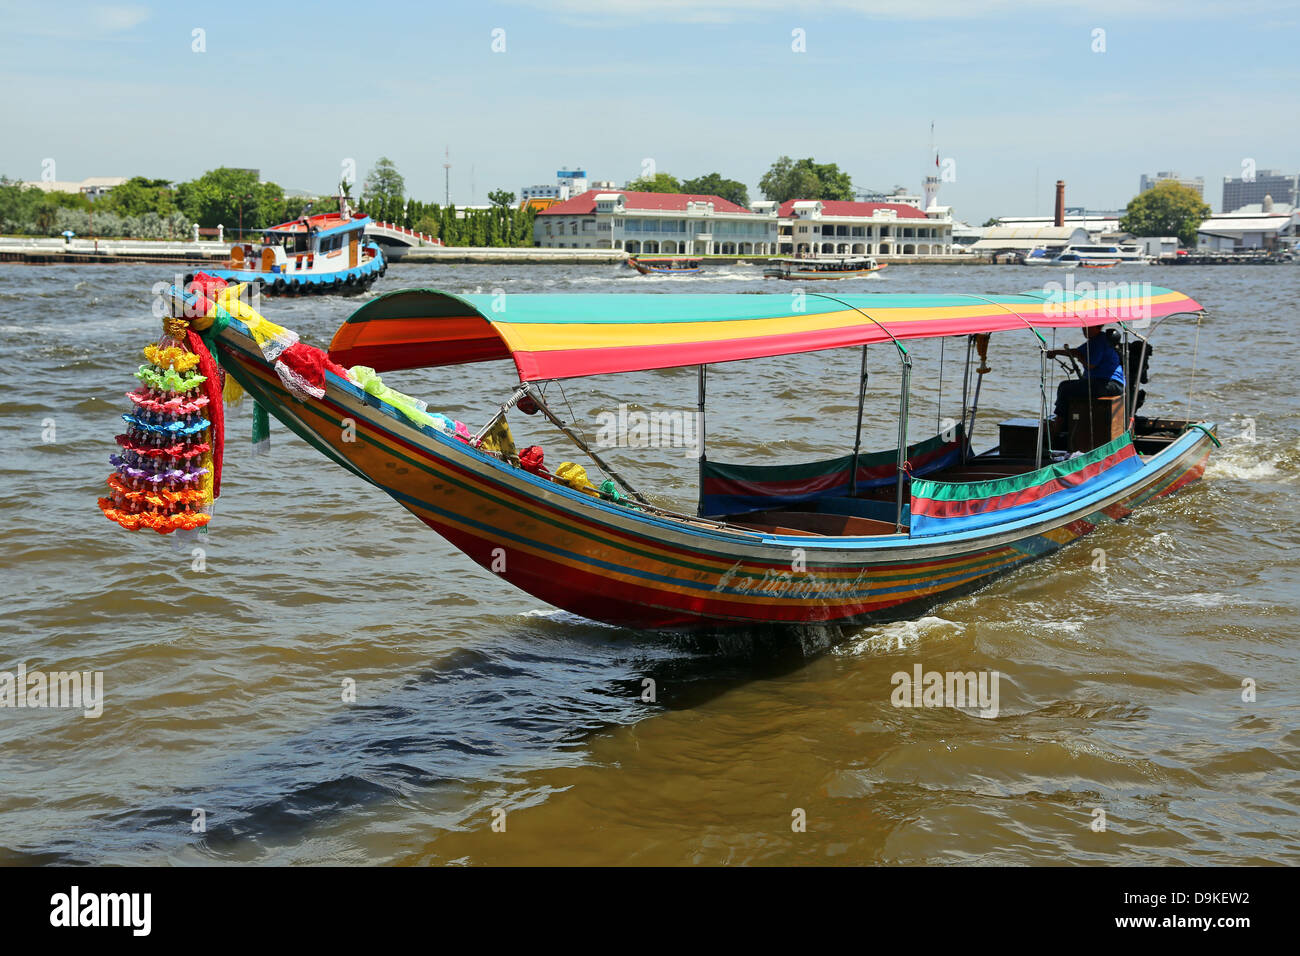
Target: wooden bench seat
point(814, 523)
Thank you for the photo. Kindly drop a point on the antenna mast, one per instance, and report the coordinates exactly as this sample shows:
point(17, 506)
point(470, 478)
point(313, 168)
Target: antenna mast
point(446, 172)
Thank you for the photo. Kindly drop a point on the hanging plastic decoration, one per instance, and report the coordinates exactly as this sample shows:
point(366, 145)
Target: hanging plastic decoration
point(164, 476)
point(168, 472)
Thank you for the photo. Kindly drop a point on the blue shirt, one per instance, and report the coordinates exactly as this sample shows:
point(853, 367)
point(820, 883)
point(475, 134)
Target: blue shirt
point(1101, 355)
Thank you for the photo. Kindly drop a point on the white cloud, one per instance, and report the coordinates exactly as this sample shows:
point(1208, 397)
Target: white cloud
point(116, 18)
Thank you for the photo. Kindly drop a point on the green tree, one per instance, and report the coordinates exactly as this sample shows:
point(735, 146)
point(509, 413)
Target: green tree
point(501, 197)
point(1168, 209)
point(32, 211)
point(383, 184)
point(658, 183)
point(805, 179)
point(225, 196)
point(714, 185)
point(140, 195)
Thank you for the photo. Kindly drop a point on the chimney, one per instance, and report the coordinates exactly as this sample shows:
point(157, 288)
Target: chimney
point(1060, 203)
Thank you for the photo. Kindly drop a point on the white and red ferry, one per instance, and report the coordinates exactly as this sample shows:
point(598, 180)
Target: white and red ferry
point(324, 254)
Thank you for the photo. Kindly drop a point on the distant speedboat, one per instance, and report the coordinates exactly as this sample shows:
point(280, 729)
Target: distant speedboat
point(823, 267)
point(325, 254)
point(1089, 256)
point(664, 265)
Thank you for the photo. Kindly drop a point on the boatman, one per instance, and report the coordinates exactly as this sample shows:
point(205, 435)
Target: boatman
point(1103, 374)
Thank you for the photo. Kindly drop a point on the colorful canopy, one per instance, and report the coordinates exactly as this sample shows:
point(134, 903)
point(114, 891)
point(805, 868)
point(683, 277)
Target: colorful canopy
point(566, 336)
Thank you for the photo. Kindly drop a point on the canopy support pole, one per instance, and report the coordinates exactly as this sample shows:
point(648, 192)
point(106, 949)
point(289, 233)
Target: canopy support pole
point(1042, 405)
point(551, 417)
point(700, 431)
point(1124, 363)
point(982, 347)
point(1133, 387)
point(903, 402)
point(857, 439)
point(965, 396)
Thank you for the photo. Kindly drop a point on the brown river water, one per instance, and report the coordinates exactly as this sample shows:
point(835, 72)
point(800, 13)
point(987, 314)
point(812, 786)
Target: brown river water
point(224, 736)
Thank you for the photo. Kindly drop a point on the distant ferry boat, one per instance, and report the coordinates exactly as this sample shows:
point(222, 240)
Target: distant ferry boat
point(1092, 257)
point(823, 267)
point(321, 254)
point(663, 265)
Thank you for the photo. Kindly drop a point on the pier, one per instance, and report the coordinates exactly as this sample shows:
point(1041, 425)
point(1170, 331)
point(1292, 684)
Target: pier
point(109, 251)
point(1257, 258)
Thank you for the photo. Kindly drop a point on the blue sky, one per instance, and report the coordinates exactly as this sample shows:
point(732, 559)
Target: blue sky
point(1015, 89)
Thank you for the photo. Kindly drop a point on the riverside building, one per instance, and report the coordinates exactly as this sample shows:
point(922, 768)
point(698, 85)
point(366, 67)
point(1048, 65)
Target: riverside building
point(644, 223)
point(813, 227)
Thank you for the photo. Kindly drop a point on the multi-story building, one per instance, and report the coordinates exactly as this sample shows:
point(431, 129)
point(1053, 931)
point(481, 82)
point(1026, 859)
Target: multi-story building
point(832, 227)
point(662, 223)
point(1148, 182)
point(568, 183)
point(1244, 191)
point(91, 188)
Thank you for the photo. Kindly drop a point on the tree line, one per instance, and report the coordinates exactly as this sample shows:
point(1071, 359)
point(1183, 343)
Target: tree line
point(234, 198)
point(136, 208)
point(147, 208)
point(383, 196)
point(786, 179)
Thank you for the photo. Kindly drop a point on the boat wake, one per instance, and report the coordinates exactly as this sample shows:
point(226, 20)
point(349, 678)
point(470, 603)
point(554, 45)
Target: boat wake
point(885, 639)
point(1246, 456)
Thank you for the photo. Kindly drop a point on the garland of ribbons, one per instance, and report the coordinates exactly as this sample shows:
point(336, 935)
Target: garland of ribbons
point(168, 472)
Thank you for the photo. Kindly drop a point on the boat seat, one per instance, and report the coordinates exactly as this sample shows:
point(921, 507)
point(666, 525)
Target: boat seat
point(773, 529)
point(818, 523)
point(1093, 427)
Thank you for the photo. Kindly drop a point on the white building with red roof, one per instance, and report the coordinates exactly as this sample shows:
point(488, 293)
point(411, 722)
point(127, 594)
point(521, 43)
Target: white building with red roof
point(657, 223)
point(834, 227)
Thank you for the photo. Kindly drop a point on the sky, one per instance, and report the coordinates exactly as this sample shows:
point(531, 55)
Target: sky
point(1020, 93)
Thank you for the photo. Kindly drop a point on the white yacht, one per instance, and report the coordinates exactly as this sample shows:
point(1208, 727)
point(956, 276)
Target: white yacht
point(1100, 256)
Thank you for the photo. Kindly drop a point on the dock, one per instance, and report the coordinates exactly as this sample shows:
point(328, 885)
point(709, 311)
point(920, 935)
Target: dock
point(1223, 259)
point(109, 251)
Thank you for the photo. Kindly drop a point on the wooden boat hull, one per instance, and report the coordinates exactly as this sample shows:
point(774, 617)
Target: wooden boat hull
point(651, 269)
point(614, 564)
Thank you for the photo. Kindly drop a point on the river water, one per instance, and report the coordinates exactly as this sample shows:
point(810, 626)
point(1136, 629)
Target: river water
point(489, 729)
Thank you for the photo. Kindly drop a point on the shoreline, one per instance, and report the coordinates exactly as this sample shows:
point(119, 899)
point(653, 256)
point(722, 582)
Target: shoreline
point(143, 251)
point(205, 252)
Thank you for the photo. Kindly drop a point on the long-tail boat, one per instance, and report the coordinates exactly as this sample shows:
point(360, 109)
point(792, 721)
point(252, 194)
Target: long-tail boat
point(860, 537)
point(664, 265)
point(823, 267)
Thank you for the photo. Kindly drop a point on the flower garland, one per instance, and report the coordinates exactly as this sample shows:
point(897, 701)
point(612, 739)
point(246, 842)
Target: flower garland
point(169, 471)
